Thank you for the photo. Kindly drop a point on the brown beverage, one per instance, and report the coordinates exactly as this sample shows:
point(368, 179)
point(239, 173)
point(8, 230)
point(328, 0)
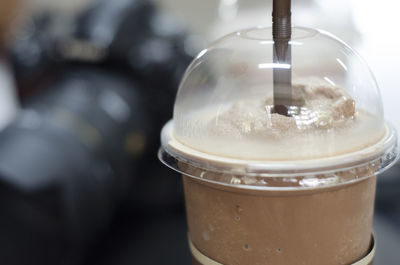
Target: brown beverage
point(237, 226)
point(263, 188)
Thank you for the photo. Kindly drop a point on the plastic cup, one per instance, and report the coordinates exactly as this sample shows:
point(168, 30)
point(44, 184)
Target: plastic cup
point(275, 190)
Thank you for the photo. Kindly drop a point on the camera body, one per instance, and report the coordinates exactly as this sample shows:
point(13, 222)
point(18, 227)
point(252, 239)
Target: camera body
point(95, 90)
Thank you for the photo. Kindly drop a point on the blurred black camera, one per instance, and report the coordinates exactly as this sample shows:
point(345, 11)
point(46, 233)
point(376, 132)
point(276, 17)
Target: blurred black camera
point(96, 90)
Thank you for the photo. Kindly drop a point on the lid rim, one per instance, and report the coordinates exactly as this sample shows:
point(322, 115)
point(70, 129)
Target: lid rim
point(299, 188)
point(387, 150)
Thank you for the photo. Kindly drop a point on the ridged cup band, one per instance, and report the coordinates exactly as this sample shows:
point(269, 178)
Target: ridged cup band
point(204, 260)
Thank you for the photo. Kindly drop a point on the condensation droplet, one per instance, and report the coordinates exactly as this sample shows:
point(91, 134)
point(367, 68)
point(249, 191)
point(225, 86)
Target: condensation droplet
point(239, 210)
point(249, 180)
point(246, 247)
point(235, 181)
point(206, 235)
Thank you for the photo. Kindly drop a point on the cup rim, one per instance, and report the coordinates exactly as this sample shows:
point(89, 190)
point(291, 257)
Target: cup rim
point(377, 158)
point(387, 145)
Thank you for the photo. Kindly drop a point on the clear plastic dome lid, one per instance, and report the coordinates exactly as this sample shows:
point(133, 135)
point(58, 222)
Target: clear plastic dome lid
point(224, 106)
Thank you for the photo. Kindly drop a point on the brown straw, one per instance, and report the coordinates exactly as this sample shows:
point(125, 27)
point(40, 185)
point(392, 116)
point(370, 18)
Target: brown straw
point(282, 32)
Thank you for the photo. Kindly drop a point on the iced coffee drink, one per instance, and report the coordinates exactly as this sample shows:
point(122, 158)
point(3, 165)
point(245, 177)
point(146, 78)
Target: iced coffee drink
point(266, 188)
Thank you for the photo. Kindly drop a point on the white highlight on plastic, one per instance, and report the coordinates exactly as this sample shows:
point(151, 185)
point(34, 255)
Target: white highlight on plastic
point(202, 53)
point(329, 81)
point(266, 42)
point(274, 65)
point(295, 43)
point(342, 64)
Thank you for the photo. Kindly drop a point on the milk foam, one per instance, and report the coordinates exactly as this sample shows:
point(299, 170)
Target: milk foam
point(325, 123)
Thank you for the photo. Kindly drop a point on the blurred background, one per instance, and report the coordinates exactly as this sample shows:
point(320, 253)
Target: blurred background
point(85, 87)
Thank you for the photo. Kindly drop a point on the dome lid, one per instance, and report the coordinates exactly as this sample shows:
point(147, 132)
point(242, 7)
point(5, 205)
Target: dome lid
point(224, 117)
point(225, 102)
